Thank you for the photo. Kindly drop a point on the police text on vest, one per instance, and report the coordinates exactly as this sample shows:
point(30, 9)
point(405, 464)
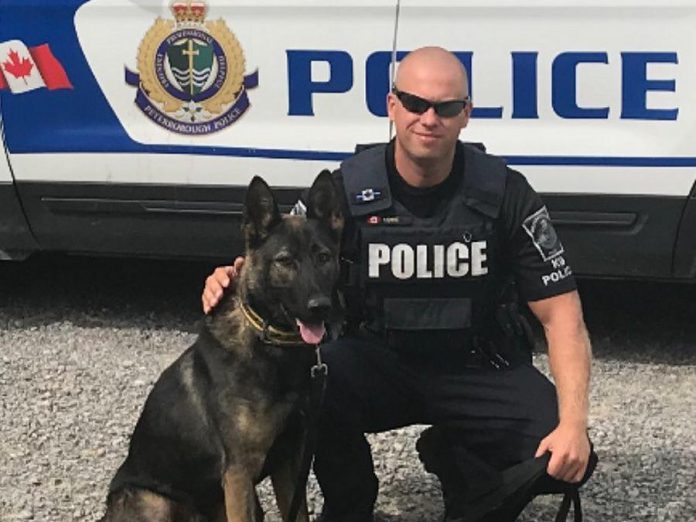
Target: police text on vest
point(427, 261)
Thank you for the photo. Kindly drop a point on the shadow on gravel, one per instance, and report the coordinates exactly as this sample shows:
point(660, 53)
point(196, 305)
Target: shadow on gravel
point(634, 321)
point(89, 292)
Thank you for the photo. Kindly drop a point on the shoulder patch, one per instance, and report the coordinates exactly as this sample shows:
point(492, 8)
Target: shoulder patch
point(539, 227)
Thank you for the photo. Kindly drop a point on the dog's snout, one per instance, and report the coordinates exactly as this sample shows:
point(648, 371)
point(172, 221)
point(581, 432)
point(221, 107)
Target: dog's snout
point(319, 305)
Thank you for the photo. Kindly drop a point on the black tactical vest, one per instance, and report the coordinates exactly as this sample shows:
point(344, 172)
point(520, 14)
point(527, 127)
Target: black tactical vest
point(442, 273)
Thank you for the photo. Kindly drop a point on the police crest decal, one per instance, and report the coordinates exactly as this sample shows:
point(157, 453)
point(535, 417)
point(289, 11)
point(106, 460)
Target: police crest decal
point(190, 75)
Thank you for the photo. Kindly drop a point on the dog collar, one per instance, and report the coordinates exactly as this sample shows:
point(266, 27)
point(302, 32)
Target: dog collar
point(269, 334)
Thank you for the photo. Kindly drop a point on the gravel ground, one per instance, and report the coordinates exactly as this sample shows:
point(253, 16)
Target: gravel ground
point(83, 340)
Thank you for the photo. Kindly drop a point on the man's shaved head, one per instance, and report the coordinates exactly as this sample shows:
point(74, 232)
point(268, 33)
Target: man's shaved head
point(435, 64)
point(426, 140)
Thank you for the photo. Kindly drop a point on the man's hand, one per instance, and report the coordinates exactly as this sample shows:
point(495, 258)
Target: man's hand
point(217, 282)
point(570, 452)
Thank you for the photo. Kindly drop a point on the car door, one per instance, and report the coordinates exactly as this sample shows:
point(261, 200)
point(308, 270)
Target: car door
point(16, 240)
point(153, 116)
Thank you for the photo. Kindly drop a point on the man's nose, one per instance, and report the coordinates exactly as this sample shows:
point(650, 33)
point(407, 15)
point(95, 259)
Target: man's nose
point(430, 117)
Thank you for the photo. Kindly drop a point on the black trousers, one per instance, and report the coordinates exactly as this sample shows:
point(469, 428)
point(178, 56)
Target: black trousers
point(502, 413)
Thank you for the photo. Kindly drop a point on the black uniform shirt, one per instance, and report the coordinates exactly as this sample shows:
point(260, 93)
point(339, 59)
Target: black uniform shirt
point(533, 251)
point(424, 202)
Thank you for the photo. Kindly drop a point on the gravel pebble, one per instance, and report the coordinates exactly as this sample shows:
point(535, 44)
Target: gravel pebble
point(82, 342)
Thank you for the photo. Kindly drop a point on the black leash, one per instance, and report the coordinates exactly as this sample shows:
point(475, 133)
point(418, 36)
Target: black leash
point(574, 498)
point(318, 373)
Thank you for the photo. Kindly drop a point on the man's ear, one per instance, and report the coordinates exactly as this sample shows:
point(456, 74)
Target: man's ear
point(324, 204)
point(260, 212)
point(466, 114)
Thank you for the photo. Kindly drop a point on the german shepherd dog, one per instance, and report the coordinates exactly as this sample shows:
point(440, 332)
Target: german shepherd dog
point(226, 413)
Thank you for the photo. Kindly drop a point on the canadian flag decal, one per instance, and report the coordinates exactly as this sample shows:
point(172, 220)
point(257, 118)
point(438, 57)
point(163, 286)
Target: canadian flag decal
point(24, 69)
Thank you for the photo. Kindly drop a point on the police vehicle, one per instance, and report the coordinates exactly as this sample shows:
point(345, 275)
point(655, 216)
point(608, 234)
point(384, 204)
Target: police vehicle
point(132, 127)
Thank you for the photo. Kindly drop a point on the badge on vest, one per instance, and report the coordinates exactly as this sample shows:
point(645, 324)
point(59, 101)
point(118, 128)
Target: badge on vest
point(368, 195)
point(389, 220)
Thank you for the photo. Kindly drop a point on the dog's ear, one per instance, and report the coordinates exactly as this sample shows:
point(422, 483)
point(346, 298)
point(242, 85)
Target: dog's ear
point(325, 205)
point(260, 212)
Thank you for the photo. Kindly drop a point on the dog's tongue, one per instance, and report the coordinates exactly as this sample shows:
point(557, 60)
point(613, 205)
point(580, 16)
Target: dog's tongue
point(311, 333)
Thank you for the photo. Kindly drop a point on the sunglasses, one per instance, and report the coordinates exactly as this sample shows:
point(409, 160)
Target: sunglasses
point(418, 105)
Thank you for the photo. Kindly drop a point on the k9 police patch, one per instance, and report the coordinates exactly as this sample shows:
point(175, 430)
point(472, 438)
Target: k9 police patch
point(544, 237)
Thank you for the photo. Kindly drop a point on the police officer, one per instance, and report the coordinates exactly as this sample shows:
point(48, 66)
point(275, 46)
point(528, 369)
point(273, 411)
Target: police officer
point(441, 240)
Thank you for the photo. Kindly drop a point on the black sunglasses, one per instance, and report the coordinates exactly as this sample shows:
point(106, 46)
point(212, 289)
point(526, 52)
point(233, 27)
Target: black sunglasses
point(418, 105)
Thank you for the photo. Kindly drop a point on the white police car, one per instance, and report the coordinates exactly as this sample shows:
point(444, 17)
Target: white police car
point(133, 127)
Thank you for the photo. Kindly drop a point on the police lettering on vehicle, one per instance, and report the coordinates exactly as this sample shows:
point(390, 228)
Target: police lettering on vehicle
point(404, 261)
point(567, 70)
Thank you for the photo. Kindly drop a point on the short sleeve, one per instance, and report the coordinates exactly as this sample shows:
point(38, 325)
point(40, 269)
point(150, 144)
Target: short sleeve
point(532, 247)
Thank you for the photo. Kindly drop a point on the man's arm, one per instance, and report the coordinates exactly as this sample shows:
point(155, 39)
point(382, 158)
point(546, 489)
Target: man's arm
point(569, 357)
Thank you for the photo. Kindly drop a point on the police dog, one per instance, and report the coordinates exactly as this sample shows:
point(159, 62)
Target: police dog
point(226, 413)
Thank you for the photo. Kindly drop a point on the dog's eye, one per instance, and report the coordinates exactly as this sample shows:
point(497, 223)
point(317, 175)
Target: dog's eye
point(323, 257)
point(285, 260)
